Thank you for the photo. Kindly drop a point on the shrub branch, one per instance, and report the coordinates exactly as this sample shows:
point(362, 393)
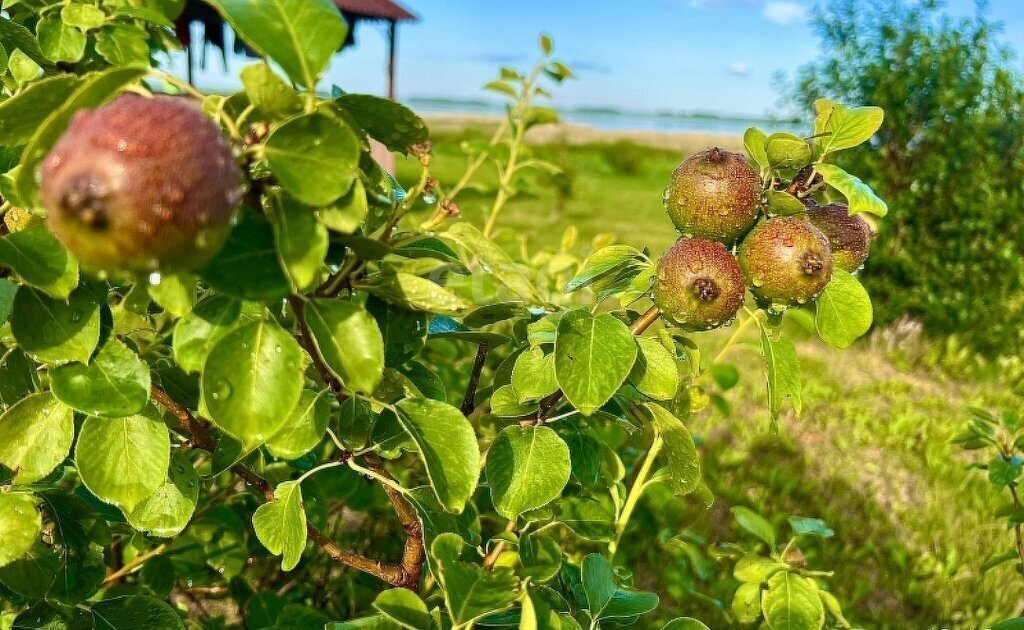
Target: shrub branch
point(405, 574)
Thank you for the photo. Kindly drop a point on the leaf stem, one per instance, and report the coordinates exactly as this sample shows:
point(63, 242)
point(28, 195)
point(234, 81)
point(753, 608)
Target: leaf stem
point(635, 492)
point(134, 564)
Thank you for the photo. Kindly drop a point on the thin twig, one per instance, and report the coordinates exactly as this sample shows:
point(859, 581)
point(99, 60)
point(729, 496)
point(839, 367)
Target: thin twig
point(1017, 528)
point(134, 564)
point(469, 401)
point(199, 435)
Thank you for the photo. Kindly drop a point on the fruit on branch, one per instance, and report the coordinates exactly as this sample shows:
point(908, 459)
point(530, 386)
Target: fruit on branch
point(848, 235)
point(698, 285)
point(140, 184)
point(714, 194)
point(786, 261)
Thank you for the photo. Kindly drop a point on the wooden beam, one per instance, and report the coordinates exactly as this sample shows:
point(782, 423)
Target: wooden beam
point(392, 37)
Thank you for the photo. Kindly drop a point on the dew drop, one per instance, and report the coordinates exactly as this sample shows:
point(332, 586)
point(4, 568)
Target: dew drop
point(155, 278)
point(758, 282)
point(122, 145)
point(278, 349)
point(695, 265)
point(788, 241)
point(429, 197)
point(221, 390)
point(76, 315)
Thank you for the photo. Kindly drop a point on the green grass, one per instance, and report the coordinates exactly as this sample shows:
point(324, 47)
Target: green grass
point(870, 454)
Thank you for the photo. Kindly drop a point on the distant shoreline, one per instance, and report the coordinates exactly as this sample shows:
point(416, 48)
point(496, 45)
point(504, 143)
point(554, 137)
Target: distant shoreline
point(575, 134)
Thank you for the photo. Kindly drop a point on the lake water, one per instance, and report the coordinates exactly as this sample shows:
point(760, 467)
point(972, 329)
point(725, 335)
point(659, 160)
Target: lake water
point(622, 121)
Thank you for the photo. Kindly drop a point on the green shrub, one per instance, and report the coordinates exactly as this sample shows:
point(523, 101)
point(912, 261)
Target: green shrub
point(624, 157)
point(947, 159)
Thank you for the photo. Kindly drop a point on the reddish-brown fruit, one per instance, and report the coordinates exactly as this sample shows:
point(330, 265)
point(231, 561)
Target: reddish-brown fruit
point(714, 194)
point(848, 235)
point(786, 261)
point(140, 184)
point(698, 285)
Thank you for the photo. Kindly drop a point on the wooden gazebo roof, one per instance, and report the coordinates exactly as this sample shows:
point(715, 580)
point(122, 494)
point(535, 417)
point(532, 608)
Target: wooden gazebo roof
point(376, 10)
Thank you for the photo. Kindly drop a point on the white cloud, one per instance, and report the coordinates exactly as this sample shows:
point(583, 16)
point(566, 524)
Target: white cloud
point(739, 69)
point(784, 11)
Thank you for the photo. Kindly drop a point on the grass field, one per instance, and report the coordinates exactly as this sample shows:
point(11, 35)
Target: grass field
point(871, 453)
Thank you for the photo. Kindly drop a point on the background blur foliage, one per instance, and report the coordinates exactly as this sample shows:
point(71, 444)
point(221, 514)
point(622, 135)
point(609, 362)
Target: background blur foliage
point(950, 251)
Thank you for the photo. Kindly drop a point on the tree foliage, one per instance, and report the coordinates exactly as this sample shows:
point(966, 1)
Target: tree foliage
point(947, 158)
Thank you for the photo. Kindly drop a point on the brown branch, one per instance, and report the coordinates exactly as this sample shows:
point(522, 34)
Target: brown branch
point(469, 401)
point(414, 553)
point(199, 436)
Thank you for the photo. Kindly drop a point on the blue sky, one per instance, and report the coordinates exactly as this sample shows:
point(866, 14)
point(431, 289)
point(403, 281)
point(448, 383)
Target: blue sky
point(682, 55)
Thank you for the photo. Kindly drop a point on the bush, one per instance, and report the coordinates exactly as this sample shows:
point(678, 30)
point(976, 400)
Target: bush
point(624, 157)
point(344, 406)
point(948, 160)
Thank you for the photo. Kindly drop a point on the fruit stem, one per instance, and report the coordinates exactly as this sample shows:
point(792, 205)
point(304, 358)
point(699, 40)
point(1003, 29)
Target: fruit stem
point(740, 329)
point(644, 321)
point(635, 492)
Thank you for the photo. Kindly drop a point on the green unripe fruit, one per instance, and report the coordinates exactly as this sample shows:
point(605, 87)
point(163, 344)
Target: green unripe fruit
point(698, 285)
point(786, 261)
point(141, 184)
point(714, 194)
point(848, 235)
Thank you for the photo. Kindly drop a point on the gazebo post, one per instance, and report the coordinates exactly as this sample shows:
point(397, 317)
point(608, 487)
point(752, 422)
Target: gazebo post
point(392, 37)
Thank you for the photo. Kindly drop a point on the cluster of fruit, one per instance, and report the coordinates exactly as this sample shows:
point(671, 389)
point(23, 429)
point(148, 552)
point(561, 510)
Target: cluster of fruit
point(715, 201)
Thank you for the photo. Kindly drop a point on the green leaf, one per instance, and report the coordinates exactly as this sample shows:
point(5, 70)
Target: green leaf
point(470, 592)
point(833, 606)
point(786, 150)
point(281, 524)
point(783, 372)
point(791, 602)
point(539, 116)
point(301, 241)
point(247, 267)
point(782, 203)
point(754, 523)
point(304, 428)
point(502, 88)
point(837, 127)
point(755, 142)
point(843, 312)
point(494, 260)
point(166, 512)
point(804, 526)
point(135, 612)
point(685, 623)
point(404, 607)
point(858, 195)
point(505, 403)
point(196, 333)
point(123, 460)
point(95, 89)
point(527, 468)
point(252, 380)
point(533, 376)
point(59, 41)
point(40, 261)
point(23, 69)
point(348, 339)
point(123, 45)
point(601, 264)
point(55, 331)
point(746, 602)
point(175, 293)
point(315, 156)
point(415, 293)
point(593, 357)
point(404, 331)
point(269, 93)
point(605, 600)
point(588, 518)
point(754, 568)
point(683, 461)
point(346, 214)
point(15, 36)
point(540, 557)
point(20, 524)
point(115, 384)
point(35, 436)
point(447, 445)
point(84, 16)
point(21, 114)
point(655, 373)
point(391, 123)
point(300, 35)
point(546, 45)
